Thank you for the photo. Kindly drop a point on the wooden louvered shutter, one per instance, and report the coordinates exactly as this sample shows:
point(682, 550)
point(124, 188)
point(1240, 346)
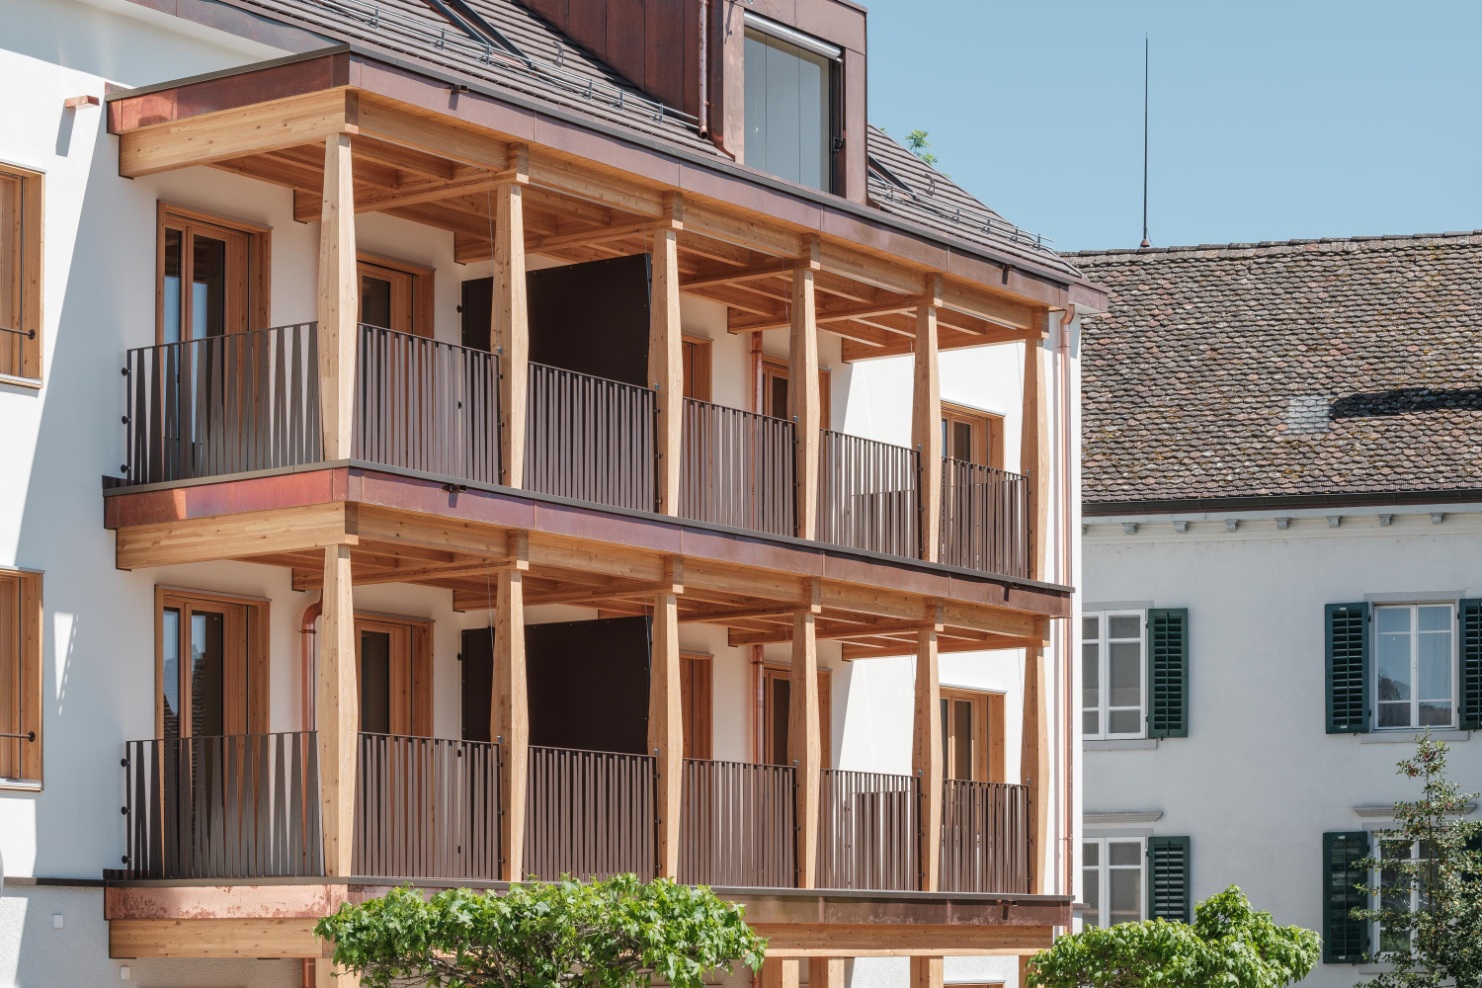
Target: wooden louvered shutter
point(1348, 668)
point(1168, 879)
point(1168, 673)
point(1469, 615)
point(1345, 940)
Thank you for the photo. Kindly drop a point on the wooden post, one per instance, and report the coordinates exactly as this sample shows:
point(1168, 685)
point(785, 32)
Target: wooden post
point(666, 729)
point(326, 975)
point(513, 720)
point(926, 972)
point(803, 399)
point(825, 972)
point(1034, 453)
point(926, 430)
point(926, 756)
point(338, 309)
point(510, 334)
point(665, 365)
point(804, 744)
point(337, 713)
point(1034, 764)
point(781, 972)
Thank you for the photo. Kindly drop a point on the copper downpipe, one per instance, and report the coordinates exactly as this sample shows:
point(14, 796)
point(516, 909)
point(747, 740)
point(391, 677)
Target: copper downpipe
point(1067, 560)
point(306, 663)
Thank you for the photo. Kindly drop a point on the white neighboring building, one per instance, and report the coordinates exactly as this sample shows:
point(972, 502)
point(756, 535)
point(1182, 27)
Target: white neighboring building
point(1283, 559)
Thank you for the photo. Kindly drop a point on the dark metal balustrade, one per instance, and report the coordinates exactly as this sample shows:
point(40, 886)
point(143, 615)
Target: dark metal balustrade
point(985, 837)
point(589, 814)
point(985, 518)
point(223, 404)
point(869, 495)
point(240, 806)
point(426, 808)
point(737, 825)
point(738, 469)
point(590, 439)
point(427, 406)
point(869, 831)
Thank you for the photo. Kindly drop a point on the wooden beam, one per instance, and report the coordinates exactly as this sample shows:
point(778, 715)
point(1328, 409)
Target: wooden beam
point(432, 190)
point(926, 756)
point(803, 400)
point(213, 137)
point(598, 235)
point(730, 274)
point(337, 713)
point(884, 939)
point(889, 274)
point(1034, 765)
point(427, 574)
point(974, 301)
point(511, 330)
point(1034, 453)
point(237, 938)
point(831, 632)
point(665, 366)
point(827, 315)
point(926, 430)
point(753, 234)
point(438, 135)
point(339, 300)
point(666, 729)
point(805, 746)
point(198, 540)
point(511, 720)
point(926, 972)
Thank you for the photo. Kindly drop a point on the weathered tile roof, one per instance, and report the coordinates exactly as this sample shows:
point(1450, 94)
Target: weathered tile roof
point(1309, 367)
point(537, 61)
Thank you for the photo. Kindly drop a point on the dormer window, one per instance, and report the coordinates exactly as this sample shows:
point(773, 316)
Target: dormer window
point(792, 96)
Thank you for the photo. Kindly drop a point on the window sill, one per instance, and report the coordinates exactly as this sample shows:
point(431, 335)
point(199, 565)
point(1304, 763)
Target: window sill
point(33, 383)
point(1122, 744)
point(19, 785)
point(1410, 737)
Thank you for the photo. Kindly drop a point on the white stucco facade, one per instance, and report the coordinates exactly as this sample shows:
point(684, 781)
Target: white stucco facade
point(61, 436)
point(1259, 781)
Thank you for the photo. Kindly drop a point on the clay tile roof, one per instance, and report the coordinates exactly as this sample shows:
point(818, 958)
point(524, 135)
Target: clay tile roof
point(1309, 367)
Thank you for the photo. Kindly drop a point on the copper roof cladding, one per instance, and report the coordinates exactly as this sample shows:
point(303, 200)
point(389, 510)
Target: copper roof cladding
point(1308, 368)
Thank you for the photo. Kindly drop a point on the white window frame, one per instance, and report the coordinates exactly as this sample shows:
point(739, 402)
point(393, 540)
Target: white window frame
point(1415, 633)
point(1103, 657)
point(1375, 879)
point(1103, 874)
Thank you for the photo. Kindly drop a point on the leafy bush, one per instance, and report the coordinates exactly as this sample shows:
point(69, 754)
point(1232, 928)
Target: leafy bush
point(1229, 945)
point(612, 934)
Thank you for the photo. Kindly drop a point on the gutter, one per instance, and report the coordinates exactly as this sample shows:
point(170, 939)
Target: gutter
point(1207, 505)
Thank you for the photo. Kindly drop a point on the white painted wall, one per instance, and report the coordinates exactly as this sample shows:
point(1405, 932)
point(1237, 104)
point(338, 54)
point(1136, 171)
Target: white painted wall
point(1259, 781)
point(58, 440)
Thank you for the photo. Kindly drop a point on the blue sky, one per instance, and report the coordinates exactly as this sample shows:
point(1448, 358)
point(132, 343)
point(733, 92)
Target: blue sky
point(1270, 120)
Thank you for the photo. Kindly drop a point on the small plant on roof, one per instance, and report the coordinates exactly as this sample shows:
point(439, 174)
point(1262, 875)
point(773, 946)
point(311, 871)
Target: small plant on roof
point(918, 144)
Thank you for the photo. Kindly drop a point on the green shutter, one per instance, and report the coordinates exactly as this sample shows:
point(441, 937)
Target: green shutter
point(1168, 673)
point(1168, 879)
point(1469, 615)
point(1345, 940)
point(1348, 668)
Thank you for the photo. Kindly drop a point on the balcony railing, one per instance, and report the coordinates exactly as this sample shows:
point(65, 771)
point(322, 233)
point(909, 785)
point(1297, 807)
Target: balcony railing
point(738, 469)
point(868, 495)
point(589, 814)
point(426, 808)
point(590, 439)
point(223, 404)
point(427, 406)
point(243, 806)
point(985, 518)
point(869, 831)
point(985, 837)
point(737, 825)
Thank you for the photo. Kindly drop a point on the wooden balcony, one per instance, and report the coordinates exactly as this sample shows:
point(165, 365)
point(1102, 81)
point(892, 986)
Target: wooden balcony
point(232, 405)
point(240, 809)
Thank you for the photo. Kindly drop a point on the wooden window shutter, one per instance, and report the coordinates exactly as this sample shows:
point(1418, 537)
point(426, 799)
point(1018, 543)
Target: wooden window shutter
point(1168, 879)
point(1168, 673)
point(1345, 940)
point(1348, 668)
point(1469, 615)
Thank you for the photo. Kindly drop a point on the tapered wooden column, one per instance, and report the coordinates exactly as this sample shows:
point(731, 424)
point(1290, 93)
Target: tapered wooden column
point(665, 366)
point(513, 719)
point(926, 972)
point(337, 713)
point(825, 972)
point(666, 729)
point(326, 975)
point(780, 972)
point(338, 307)
point(805, 745)
point(926, 756)
point(1034, 450)
point(510, 337)
point(1034, 763)
point(803, 399)
point(926, 430)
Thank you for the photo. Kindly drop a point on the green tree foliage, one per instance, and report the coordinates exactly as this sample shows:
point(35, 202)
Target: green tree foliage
point(917, 141)
point(1229, 945)
point(1429, 905)
point(613, 934)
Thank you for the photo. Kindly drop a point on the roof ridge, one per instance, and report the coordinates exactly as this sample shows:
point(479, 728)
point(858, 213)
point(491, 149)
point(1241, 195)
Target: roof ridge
point(1390, 238)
